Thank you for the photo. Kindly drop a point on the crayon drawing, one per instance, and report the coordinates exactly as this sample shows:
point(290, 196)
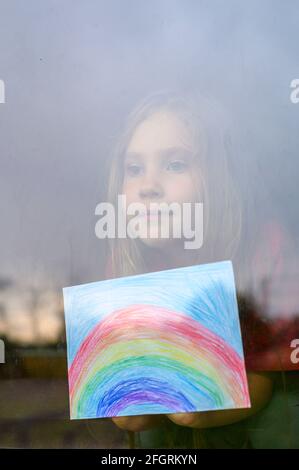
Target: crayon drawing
point(162, 342)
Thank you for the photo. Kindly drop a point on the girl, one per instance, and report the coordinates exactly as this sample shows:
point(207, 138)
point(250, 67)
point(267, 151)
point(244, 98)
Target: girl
point(176, 149)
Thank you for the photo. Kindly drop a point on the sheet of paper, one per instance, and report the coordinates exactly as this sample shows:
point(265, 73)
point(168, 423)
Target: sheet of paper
point(162, 342)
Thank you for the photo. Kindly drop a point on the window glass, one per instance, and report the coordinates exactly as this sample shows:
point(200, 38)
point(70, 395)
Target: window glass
point(88, 91)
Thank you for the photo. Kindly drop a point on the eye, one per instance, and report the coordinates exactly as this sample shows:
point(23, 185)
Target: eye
point(177, 166)
point(133, 169)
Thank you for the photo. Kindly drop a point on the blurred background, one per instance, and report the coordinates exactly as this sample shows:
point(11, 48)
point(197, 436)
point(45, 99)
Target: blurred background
point(73, 70)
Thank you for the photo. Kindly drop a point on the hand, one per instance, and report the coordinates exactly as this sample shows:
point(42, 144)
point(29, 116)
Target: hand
point(260, 390)
point(193, 420)
point(209, 419)
point(138, 423)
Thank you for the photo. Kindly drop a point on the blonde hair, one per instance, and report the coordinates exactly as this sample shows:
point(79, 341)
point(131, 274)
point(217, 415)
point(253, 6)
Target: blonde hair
point(207, 124)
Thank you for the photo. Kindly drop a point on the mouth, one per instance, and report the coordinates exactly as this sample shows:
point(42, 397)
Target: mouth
point(155, 213)
point(152, 213)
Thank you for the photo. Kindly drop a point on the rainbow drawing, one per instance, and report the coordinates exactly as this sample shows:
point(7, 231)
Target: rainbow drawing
point(162, 342)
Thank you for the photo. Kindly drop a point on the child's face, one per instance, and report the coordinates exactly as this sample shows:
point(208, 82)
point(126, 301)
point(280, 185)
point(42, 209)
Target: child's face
point(159, 163)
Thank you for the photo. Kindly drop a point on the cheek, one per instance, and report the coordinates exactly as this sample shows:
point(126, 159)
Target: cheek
point(130, 189)
point(183, 189)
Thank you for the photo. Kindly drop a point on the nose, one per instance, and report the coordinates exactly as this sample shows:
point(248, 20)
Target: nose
point(151, 187)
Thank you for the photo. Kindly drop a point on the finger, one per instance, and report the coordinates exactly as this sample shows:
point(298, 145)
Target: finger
point(187, 419)
point(136, 423)
point(128, 423)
